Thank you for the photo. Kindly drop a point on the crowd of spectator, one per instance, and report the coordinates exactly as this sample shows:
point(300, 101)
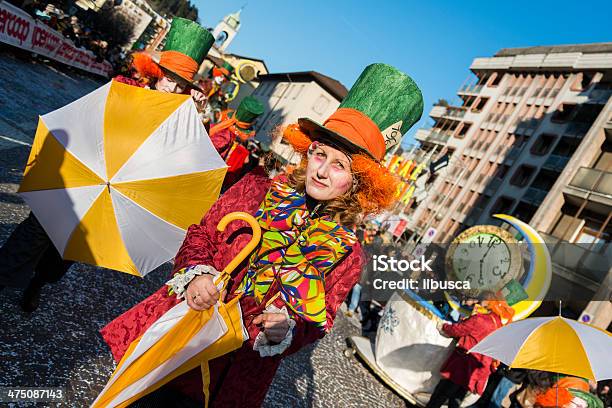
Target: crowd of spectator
point(65, 19)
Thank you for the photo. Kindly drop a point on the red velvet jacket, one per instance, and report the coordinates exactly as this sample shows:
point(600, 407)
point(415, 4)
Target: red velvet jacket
point(248, 375)
point(470, 370)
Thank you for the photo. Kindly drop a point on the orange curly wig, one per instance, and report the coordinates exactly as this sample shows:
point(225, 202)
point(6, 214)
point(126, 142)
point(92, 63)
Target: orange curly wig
point(146, 67)
point(377, 185)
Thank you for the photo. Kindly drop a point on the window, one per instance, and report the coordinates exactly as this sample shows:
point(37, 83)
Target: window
point(566, 146)
point(503, 205)
point(221, 38)
point(464, 129)
point(496, 79)
point(543, 145)
point(502, 171)
point(587, 113)
point(522, 176)
point(563, 113)
point(480, 104)
point(545, 180)
point(520, 141)
point(321, 105)
point(524, 211)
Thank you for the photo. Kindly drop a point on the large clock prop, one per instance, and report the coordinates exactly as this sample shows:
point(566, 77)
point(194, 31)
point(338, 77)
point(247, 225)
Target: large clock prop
point(490, 259)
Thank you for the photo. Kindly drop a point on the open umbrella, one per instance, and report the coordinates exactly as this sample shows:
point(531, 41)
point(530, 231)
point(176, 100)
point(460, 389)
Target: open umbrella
point(116, 177)
point(181, 340)
point(554, 344)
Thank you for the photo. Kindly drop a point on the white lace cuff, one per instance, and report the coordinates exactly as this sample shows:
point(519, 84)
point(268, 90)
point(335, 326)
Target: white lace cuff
point(181, 279)
point(262, 344)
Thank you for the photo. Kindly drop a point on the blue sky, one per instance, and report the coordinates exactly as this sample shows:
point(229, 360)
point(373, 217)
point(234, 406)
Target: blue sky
point(434, 42)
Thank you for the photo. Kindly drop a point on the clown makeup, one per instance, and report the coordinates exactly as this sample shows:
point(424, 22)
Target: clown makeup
point(328, 173)
point(165, 84)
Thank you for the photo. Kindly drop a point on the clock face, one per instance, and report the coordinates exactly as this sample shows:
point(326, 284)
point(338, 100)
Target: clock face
point(486, 256)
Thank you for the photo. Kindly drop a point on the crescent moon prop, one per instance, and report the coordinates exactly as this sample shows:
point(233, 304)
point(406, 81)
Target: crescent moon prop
point(539, 274)
point(536, 281)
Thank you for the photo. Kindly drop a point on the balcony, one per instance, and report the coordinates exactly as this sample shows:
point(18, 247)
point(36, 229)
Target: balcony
point(535, 196)
point(556, 162)
point(437, 111)
point(454, 112)
point(578, 260)
point(432, 136)
point(526, 126)
point(593, 180)
point(471, 89)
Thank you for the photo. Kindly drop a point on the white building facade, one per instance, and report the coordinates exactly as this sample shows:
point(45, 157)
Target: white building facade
point(290, 96)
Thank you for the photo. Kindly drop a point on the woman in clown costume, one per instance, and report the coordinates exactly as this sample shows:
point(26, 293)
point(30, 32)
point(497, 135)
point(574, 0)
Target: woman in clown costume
point(309, 257)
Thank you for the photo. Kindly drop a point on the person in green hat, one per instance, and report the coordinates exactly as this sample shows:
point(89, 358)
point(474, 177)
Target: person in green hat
point(174, 68)
point(213, 88)
point(231, 135)
point(309, 256)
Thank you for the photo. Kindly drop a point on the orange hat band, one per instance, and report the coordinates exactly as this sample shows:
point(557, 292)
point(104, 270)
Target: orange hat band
point(179, 63)
point(220, 71)
point(229, 123)
point(359, 129)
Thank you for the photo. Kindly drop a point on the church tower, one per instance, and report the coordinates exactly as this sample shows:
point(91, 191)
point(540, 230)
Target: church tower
point(226, 30)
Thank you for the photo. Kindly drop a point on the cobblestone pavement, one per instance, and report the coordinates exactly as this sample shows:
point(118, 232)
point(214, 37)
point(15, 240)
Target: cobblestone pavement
point(59, 345)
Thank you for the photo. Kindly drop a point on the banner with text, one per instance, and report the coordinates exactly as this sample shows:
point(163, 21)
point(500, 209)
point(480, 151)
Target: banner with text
point(19, 29)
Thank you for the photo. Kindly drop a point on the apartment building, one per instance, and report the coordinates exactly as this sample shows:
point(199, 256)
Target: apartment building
point(531, 138)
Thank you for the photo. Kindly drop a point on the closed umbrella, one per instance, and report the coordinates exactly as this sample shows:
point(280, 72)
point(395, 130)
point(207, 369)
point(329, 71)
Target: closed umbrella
point(181, 340)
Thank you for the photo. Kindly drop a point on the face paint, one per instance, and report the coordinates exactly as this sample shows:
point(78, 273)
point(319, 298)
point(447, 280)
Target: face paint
point(328, 173)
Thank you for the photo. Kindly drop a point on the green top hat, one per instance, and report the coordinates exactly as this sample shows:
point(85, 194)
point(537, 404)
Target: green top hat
point(189, 38)
point(228, 66)
point(388, 97)
point(248, 110)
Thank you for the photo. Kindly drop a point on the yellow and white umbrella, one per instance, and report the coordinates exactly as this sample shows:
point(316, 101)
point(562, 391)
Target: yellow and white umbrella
point(554, 344)
point(182, 339)
point(116, 177)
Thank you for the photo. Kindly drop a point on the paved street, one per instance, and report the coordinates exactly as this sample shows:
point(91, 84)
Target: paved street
point(59, 345)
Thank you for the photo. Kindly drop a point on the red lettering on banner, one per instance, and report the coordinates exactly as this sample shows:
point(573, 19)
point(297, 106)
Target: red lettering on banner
point(66, 51)
point(14, 26)
point(20, 30)
point(42, 38)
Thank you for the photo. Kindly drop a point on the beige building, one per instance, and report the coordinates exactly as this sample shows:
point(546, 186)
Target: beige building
point(292, 95)
point(150, 28)
point(138, 16)
point(532, 137)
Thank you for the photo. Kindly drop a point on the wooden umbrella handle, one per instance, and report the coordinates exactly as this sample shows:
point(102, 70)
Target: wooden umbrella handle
point(248, 248)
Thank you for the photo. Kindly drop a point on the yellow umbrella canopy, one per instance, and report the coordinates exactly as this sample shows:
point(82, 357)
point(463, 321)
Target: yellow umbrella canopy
point(116, 177)
point(554, 344)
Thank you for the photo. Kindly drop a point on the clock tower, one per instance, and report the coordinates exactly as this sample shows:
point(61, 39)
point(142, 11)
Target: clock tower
point(226, 30)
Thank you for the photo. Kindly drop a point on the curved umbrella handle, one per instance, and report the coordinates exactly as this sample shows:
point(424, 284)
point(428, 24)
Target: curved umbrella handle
point(248, 248)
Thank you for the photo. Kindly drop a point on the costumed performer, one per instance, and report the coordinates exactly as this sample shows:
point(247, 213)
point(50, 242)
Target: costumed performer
point(463, 371)
point(230, 137)
point(309, 257)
